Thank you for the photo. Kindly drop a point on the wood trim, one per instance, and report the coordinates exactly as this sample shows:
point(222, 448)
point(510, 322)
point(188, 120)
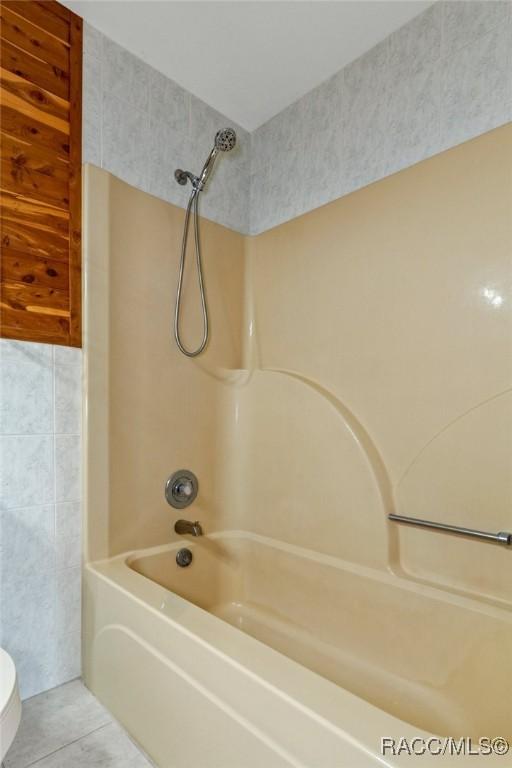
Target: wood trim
point(75, 181)
point(40, 180)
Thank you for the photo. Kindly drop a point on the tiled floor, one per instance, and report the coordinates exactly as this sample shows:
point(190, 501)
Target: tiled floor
point(68, 728)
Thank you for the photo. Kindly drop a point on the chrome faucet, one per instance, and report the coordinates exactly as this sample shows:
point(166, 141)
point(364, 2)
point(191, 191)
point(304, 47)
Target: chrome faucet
point(185, 526)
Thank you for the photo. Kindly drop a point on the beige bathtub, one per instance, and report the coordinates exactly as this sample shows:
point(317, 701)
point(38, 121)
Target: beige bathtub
point(330, 657)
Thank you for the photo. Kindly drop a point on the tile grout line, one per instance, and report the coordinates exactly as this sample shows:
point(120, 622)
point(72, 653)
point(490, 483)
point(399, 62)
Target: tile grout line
point(64, 746)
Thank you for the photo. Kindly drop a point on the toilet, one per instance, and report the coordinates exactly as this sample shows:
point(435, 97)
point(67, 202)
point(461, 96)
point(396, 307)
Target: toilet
point(10, 703)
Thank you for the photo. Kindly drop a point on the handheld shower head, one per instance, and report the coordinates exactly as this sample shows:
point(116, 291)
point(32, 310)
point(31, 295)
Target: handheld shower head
point(225, 140)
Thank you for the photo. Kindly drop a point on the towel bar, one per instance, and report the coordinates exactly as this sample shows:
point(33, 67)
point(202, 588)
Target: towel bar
point(503, 537)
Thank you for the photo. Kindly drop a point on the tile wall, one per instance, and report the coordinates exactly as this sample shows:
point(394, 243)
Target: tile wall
point(40, 519)
point(141, 126)
point(443, 78)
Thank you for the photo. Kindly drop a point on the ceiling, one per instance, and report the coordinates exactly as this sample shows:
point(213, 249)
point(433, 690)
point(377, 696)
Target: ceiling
point(248, 59)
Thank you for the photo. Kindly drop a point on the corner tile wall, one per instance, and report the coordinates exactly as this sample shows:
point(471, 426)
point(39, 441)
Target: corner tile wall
point(443, 78)
point(40, 520)
point(141, 126)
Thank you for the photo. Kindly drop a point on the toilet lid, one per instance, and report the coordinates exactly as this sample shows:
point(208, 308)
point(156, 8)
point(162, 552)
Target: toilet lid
point(7, 679)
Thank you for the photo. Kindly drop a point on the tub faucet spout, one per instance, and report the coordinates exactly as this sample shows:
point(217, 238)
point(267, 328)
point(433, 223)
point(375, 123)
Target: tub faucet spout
point(185, 526)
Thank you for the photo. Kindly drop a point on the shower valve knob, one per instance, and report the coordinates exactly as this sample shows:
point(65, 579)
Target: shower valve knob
point(181, 488)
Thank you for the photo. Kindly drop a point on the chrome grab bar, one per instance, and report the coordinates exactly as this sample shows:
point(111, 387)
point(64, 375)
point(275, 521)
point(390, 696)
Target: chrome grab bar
point(503, 537)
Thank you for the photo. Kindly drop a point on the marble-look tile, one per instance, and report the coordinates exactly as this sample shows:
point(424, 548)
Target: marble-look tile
point(476, 88)
point(365, 116)
point(26, 403)
point(125, 76)
point(67, 356)
point(322, 169)
point(259, 195)
point(68, 399)
point(237, 211)
point(323, 106)
point(169, 102)
point(169, 150)
point(413, 131)
point(68, 603)
point(401, 102)
point(93, 41)
point(92, 110)
point(415, 45)
point(27, 470)
point(54, 719)
point(107, 747)
point(68, 657)
point(68, 558)
point(260, 207)
point(282, 143)
point(27, 546)
point(464, 21)
point(68, 551)
point(365, 78)
point(68, 519)
point(125, 141)
point(27, 629)
point(67, 467)
point(364, 140)
point(25, 352)
point(226, 197)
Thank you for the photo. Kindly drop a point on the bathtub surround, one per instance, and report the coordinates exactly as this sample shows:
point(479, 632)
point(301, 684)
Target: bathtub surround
point(40, 519)
point(121, 216)
point(299, 318)
point(359, 365)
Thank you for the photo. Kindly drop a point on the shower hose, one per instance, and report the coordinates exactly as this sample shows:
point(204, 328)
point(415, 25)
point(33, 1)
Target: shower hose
point(192, 207)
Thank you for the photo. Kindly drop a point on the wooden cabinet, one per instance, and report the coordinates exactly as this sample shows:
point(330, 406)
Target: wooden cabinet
point(40, 207)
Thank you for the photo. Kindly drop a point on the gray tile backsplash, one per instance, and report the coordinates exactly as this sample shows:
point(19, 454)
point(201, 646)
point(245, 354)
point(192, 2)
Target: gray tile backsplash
point(40, 555)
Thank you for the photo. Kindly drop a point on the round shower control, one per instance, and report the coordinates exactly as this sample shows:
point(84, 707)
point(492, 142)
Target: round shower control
point(181, 488)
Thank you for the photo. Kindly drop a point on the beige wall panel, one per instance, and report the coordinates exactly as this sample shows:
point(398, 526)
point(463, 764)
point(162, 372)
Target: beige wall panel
point(397, 301)
point(163, 411)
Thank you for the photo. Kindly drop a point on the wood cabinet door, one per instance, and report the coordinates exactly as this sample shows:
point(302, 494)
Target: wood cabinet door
point(40, 183)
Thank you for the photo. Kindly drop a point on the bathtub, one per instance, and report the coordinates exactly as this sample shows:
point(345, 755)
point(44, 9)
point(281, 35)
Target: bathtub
point(262, 654)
